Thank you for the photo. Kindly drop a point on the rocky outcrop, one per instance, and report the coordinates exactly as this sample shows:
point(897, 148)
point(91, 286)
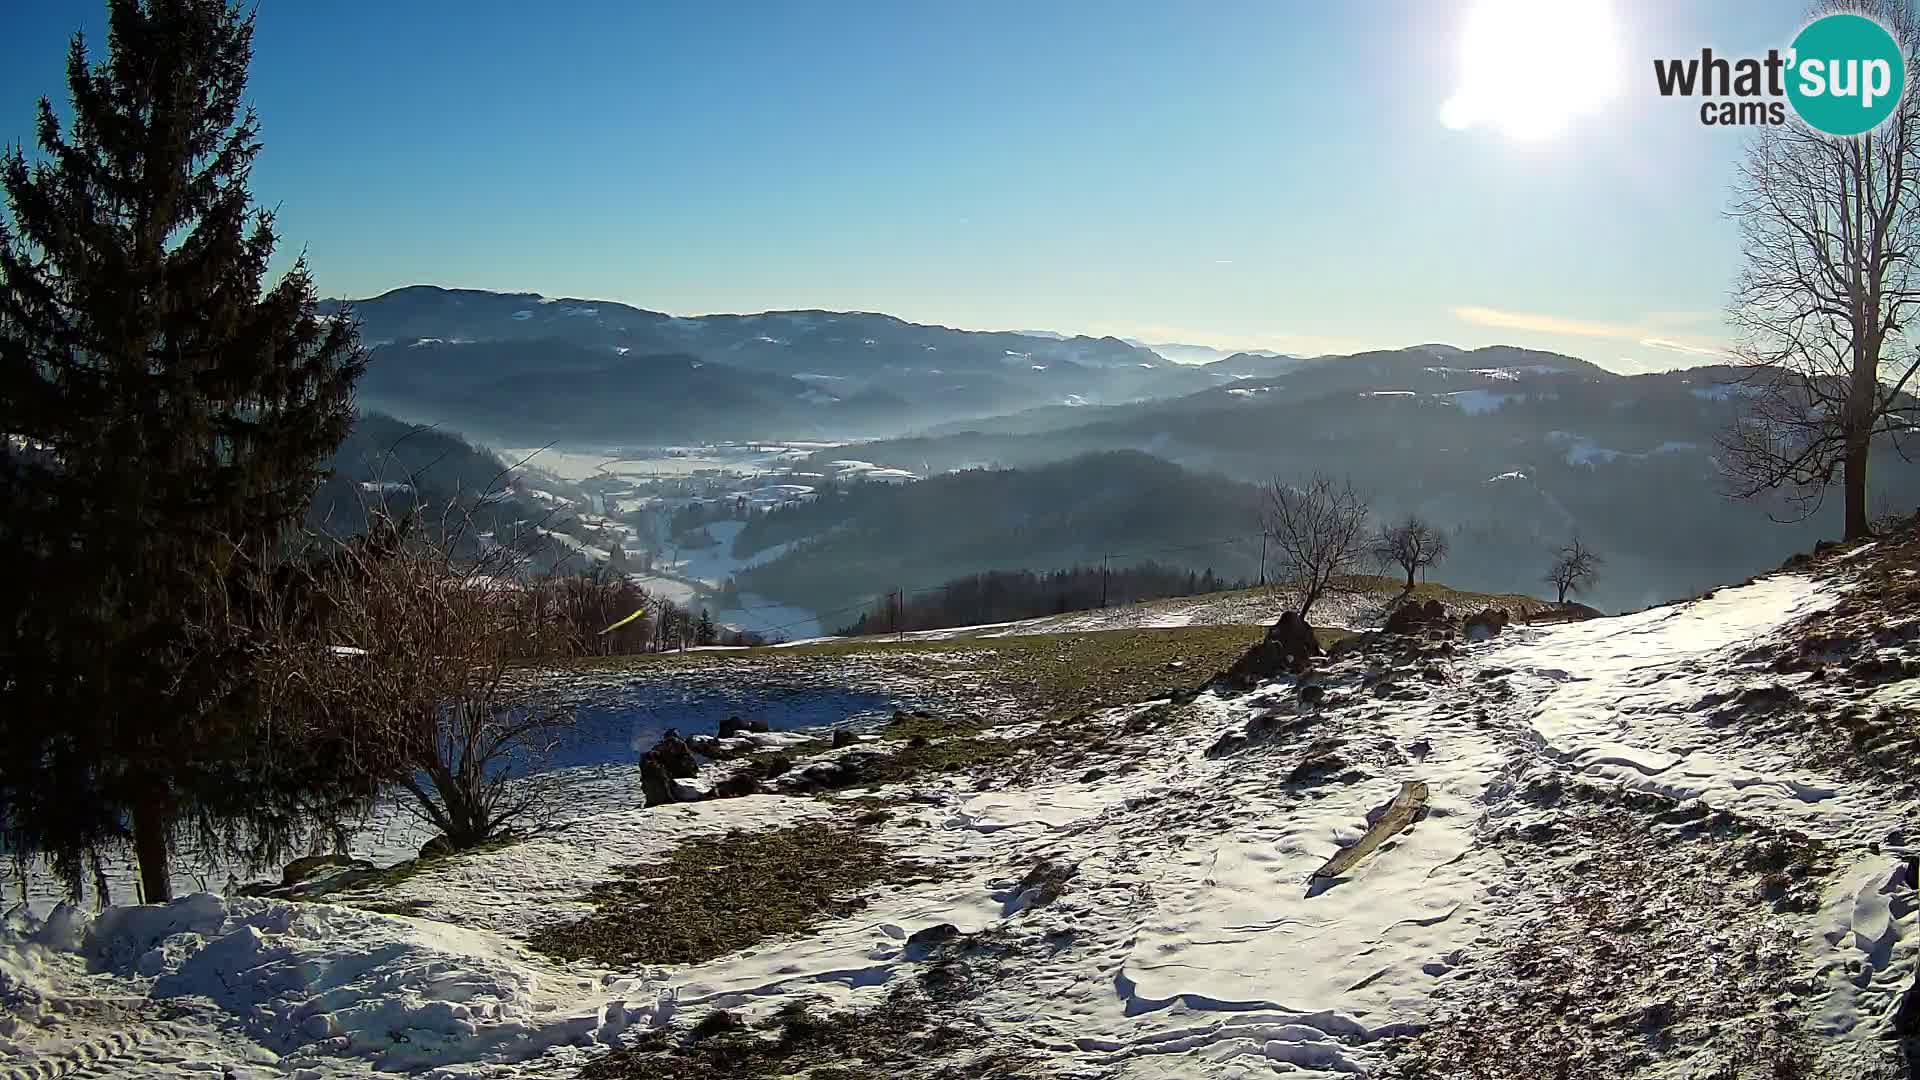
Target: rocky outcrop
point(1288, 648)
point(670, 759)
point(1487, 623)
point(1415, 619)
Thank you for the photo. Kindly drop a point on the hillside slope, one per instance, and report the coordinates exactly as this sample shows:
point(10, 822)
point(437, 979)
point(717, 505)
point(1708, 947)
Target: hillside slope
point(876, 538)
point(1613, 872)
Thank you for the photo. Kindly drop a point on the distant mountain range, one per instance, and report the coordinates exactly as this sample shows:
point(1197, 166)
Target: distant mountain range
point(1204, 354)
point(1515, 449)
point(519, 366)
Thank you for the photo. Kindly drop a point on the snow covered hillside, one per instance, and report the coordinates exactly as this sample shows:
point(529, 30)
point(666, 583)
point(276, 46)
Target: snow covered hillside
point(1620, 866)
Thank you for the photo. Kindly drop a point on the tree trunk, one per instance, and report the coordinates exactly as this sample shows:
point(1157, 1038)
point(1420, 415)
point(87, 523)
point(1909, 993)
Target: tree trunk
point(151, 824)
point(1409, 579)
point(1860, 397)
point(1856, 490)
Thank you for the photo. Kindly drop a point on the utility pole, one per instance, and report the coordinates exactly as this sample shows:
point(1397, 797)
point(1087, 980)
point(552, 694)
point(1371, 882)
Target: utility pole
point(1263, 558)
point(1103, 579)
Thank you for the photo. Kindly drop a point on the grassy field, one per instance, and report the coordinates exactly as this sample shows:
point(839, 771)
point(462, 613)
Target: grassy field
point(1355, 602)
point(1047, 675)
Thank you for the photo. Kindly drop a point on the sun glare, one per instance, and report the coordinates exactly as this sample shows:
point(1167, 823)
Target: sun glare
point(1527, 69)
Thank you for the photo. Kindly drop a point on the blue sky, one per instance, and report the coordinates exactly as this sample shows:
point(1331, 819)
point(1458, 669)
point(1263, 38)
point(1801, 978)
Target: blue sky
point(1249, 174)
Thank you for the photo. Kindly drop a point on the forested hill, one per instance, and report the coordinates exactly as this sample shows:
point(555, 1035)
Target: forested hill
point(851, 544)
point(1516, 457)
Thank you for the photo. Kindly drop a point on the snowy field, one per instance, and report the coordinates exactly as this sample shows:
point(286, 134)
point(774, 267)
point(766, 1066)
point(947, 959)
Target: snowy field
point(670, 462)
point(1191, 941)
point(617, 716)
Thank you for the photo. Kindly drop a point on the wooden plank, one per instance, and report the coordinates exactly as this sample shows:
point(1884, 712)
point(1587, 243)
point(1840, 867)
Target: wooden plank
point(1399, 814)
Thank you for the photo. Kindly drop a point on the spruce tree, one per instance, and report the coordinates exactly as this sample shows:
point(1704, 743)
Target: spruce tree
point(164, 416)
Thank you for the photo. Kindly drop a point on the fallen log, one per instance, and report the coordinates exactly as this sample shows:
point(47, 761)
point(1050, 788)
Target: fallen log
point(1400, 813)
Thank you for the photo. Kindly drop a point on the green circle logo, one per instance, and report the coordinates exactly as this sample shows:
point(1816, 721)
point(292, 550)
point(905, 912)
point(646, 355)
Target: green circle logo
point(1848, 74)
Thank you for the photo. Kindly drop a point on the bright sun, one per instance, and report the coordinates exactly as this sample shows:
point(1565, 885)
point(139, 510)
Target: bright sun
point(1528, 67)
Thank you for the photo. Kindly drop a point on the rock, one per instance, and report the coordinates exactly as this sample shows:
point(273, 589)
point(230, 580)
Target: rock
point(675, 755)
point(1352, 644)
point(732, 726)
point(304, 867)
point(1487, 623)
point(689, 790)
point(827, 775)
point(772, 765)
point(1419, 619)
point(1231, 743)
point(436, 848)
point(1288, 647)
point(670, 759)
point(1312, 694)
point(320, 1025)
point(844, 737)
point(741, 783)
point(656, 787)
point(1093, 776)
point(1043, 884)
point(933, 936)
point(717, 1022)
point(758, 727)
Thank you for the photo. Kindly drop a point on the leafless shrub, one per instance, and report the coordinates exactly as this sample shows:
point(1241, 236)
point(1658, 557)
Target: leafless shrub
point(411, 641)
point(595, 607)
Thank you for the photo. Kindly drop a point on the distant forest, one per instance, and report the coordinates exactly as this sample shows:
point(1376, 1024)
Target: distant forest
point(1008, 595)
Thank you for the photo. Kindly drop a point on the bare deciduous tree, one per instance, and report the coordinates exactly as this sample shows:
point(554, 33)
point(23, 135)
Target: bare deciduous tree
point(1412, 544)
point(1320, 533)
point(1830, 229)
point(1575, 566)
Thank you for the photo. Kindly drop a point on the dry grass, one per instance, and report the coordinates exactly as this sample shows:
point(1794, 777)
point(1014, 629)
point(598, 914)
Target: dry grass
point(1620, 979)
point(717, 895)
